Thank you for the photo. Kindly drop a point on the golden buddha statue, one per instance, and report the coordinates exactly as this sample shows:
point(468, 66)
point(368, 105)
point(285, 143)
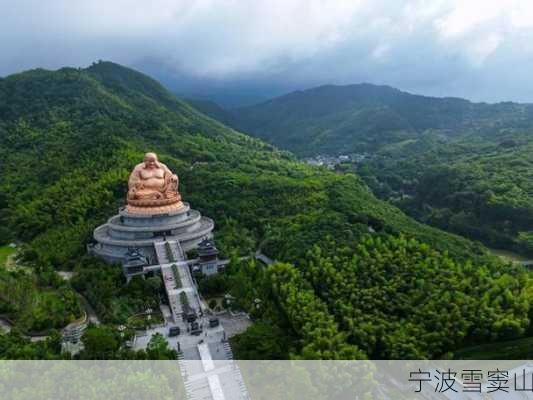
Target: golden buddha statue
point(153, 188)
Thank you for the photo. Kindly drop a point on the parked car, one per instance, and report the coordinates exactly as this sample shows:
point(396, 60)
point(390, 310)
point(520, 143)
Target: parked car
point(195, 329)
point(174, 331)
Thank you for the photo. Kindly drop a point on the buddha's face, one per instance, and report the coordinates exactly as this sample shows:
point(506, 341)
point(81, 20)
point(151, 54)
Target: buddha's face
point(150, 161)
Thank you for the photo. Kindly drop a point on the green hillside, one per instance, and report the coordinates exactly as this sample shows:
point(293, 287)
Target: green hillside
point(70, 138)
point(461, 166)
point(480, 187)
point(213, 110)
point(359, 118)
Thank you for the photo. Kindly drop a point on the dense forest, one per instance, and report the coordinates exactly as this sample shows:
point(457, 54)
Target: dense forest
point(477, 187)
point(364, 118)
point(461, 166)
point(37, 302)
point(383, 297)
point(70, 138)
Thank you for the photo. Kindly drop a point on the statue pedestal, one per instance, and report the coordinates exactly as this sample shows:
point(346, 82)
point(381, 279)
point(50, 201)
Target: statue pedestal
point(144, 231)
point(154, 209)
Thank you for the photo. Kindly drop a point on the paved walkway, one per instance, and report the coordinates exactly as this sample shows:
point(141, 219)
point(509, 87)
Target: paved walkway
point(202, 378)
point(263, 258)
point(234, 325)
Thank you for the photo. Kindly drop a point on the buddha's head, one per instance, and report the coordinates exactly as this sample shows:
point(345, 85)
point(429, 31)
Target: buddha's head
point(150, 160)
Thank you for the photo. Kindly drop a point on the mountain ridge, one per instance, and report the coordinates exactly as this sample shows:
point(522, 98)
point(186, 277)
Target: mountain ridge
point(339, 119)
point(404, 141)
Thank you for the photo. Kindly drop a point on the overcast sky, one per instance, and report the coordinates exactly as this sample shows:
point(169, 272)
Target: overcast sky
point(478, 49)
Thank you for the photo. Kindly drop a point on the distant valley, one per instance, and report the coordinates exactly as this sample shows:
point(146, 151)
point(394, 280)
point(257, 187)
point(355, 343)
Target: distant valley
point(462, 166)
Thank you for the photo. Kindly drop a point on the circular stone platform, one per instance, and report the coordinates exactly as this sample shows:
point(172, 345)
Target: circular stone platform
point(142, 231)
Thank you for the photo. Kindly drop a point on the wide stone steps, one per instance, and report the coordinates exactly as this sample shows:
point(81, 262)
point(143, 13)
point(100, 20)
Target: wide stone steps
point(169, 251)
point(227, 351)
point(161, 253)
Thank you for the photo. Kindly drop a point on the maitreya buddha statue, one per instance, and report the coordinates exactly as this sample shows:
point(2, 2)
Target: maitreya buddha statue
point(153, 188)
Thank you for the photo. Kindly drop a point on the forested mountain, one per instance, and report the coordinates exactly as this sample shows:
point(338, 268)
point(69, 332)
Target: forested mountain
point(360, 118)
point(71, 136)
point(69, 139)
point(458, 165)
point(213, 110)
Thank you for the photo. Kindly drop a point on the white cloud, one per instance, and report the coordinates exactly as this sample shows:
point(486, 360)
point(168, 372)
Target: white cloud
point(466, 16)
point(380, 51)
point(483, 48)
point(432, 46)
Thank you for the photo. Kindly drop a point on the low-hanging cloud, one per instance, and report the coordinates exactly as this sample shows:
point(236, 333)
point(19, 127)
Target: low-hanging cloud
point(480, 49)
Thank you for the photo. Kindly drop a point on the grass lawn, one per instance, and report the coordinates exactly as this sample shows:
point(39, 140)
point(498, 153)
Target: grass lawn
point(5, 251)
point(518, 349)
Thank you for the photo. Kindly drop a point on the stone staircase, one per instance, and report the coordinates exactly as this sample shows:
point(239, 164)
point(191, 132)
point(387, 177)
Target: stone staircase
point(199, 385)
point(169, 251)
point(175, 273)
point(227, 351)
point(161, 253)
point(175, 249)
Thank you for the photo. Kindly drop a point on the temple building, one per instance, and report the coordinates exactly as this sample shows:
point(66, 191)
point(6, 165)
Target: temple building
point(155, 227)
point(208, 262)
